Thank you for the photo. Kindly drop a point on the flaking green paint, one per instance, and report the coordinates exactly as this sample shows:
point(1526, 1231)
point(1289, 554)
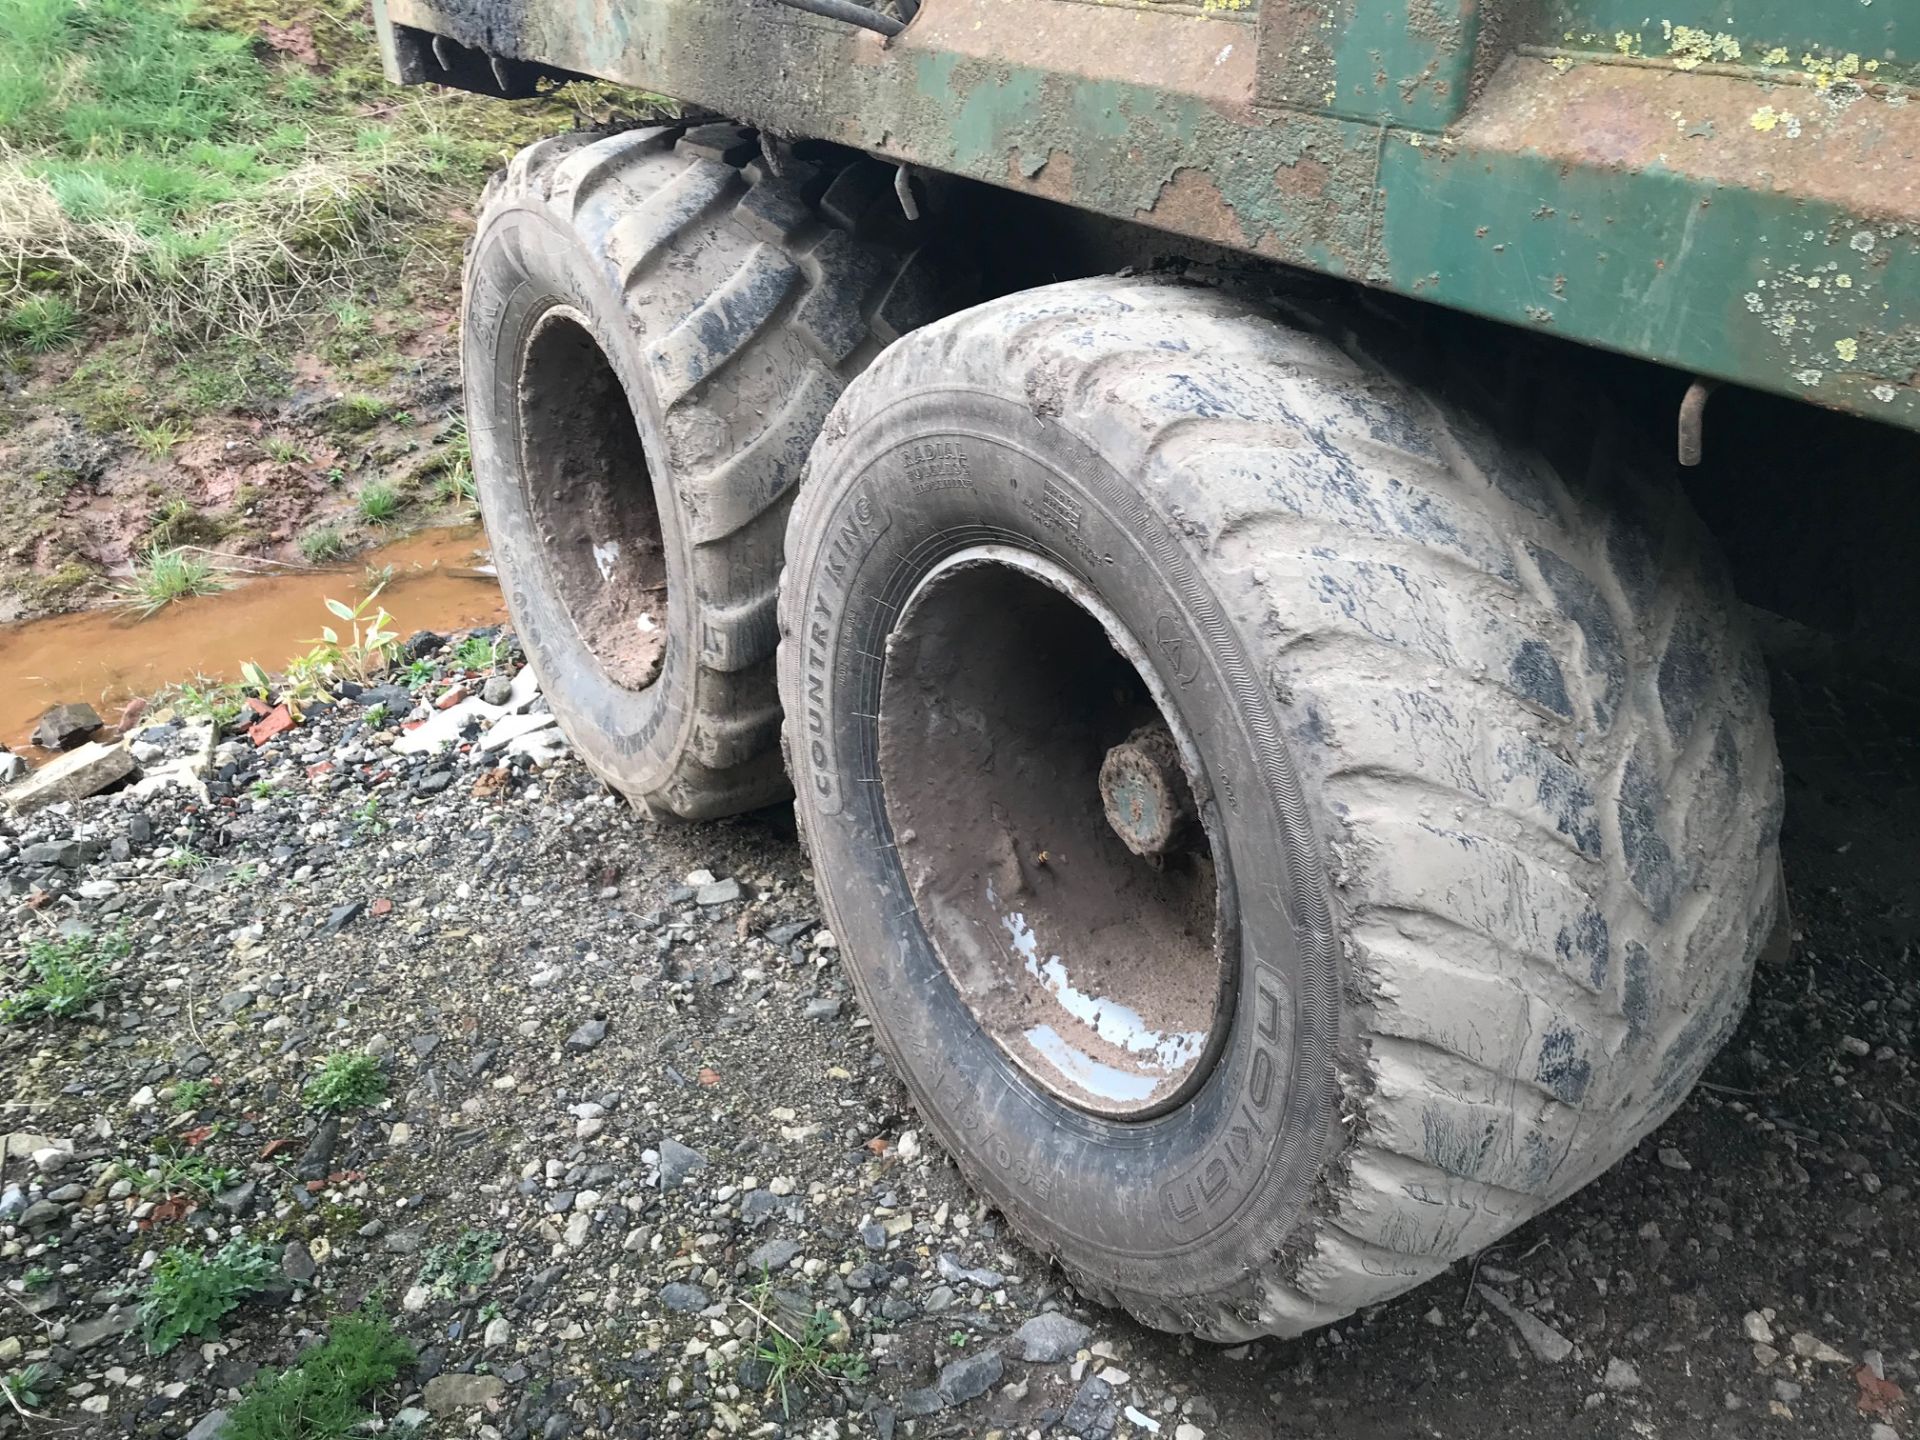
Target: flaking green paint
point(1887, 30)
point(1639, 259)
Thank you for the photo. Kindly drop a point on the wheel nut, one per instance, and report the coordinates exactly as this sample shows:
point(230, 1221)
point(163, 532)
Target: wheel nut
point(1143, 789)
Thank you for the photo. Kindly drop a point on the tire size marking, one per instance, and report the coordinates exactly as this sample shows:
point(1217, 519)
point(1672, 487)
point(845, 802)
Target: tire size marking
point(1059, 512)
point(930, 465)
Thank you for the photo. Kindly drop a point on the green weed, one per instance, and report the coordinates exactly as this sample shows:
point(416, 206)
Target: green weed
point(165, 576)
point(189, 1292)
point(36, 1279)
point(367, 821)
point(450, 1269)
point(322, 1395)
point(156, 441)
point(215, 700)
point(379, 503)
point(347, 1080)
point(816, 1356)
point(360, 412)
point(190, 1095)
point(282, 451)
point(66, 975)
point(322, 544)
point(476, 652)
point(178, 524)
point(26, 1386)
point(191, 1175)
point(40, 323)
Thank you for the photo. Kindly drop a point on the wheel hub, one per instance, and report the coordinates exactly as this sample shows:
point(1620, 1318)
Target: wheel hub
point(1144, 792)
point(1040, 798)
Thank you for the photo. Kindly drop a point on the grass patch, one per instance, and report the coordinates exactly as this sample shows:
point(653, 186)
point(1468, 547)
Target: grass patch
point(455, 484)
point(321, 1397)
point(814, 1355)
point(190, 1292)
point(378, 503)
point(156, 441)
point(360, 412)
point(190, 1095)
point(165, 576)
point(190, 1175)
point(158, 164)
point(65, 976)
point(283, 451)
point(178, 524)
point(201, 698)
point(40, 323)
point(322, 544)
point(348, 1080)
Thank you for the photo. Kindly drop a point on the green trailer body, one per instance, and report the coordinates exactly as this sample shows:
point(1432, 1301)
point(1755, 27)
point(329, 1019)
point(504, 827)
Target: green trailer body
point(1730, 189)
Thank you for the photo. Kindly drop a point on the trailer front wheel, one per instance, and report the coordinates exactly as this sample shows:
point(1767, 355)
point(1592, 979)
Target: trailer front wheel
point(1284, 836)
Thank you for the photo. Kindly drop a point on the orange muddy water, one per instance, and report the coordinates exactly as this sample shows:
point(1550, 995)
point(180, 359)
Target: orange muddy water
point(106, 657)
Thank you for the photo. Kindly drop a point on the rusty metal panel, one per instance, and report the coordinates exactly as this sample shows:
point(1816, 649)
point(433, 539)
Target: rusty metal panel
point(1759, 224)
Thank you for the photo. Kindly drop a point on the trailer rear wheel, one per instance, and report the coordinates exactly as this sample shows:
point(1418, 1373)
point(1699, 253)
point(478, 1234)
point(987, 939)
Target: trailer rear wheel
point(1285, 835)
point(654, 327)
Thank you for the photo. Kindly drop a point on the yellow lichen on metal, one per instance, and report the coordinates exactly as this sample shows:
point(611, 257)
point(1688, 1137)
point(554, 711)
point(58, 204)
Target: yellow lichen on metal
point(1824, 71)
point(1847, 349)
point(1689, 47)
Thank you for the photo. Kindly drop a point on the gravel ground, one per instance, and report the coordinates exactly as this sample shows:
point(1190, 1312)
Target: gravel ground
point(635, 1127)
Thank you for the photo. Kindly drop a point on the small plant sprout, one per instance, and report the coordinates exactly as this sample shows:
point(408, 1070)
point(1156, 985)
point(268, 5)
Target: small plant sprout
point(369, 644)
point(64, 976)
point(156, 442)
point(476, 652)
point(189, 1175)
point(817, 1356)
point(24, 1386)
point(464, 1264)
point(189, 1293)
point(347, 1080)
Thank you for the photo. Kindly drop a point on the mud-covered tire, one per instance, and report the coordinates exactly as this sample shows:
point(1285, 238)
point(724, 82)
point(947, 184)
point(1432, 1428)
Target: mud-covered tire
point(1489, 749)
point(729, 307)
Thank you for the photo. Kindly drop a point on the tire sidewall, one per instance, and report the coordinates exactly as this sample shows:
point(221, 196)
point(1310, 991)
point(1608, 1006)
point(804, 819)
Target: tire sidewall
point(1184, 1204)
point(524, 264)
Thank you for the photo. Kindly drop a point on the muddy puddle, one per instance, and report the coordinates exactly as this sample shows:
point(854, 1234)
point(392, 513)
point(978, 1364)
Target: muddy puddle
point(106, 657)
